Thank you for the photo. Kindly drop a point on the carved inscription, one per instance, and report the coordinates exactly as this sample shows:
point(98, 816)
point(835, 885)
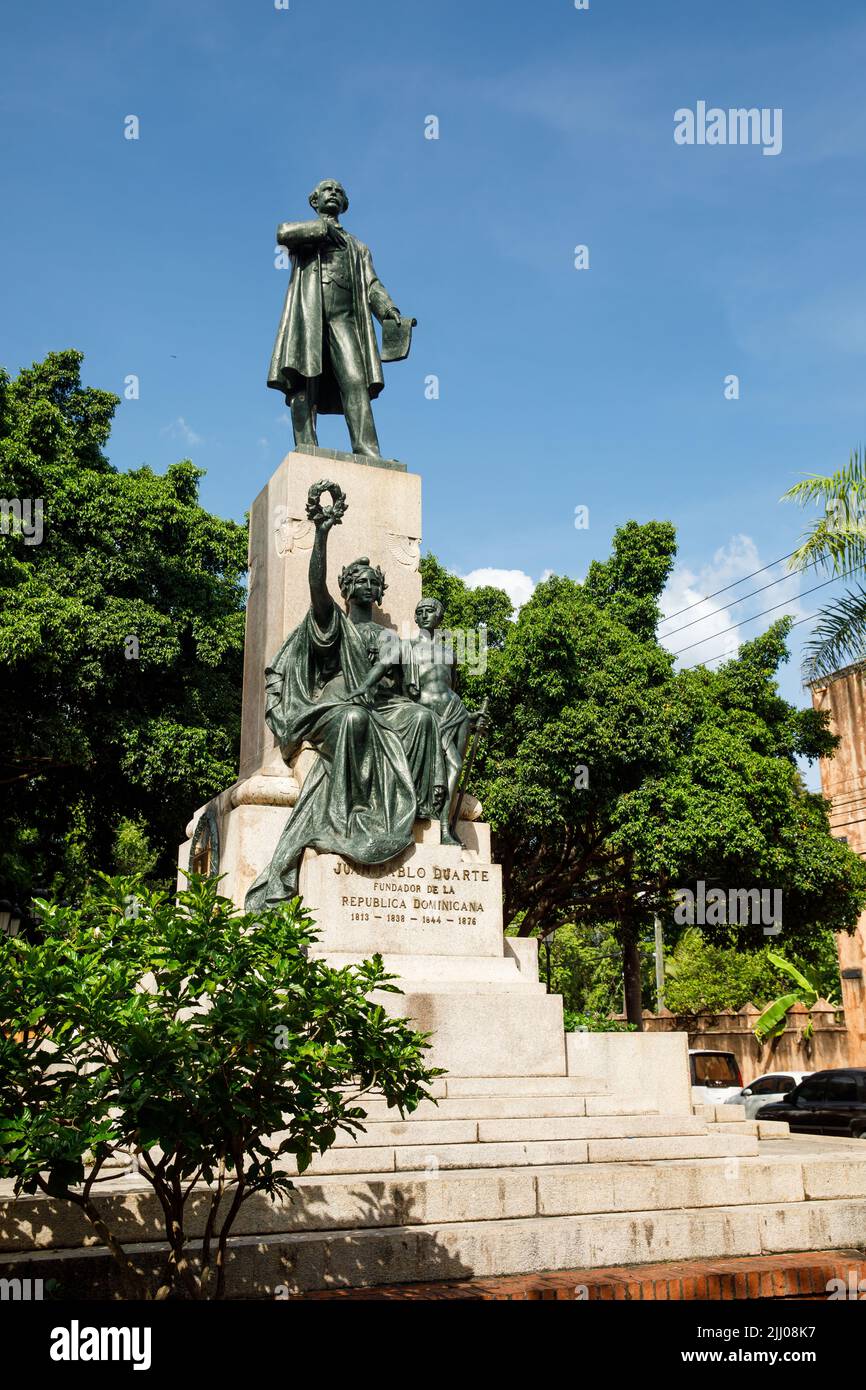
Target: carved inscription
point(413, 895)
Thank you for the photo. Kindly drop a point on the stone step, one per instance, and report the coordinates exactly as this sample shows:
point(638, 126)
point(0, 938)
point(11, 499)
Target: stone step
point(352, 1202)
point(433, 1157)
point(381, 1133)
point(522, 1086)
point(434, 972)
point(506, 1107)
point(412, 985)
point(276, 1264)
point(515, 1246)
point(590, 1127)
point(765, 1129)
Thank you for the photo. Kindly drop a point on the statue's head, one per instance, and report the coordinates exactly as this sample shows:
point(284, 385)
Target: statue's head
point(429, 614)
point(362, 581)
point(329, 196)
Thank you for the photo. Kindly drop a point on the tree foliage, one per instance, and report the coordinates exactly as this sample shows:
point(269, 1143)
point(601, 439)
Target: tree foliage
point(707, 977)
point(206, 1042)
point(611, 780)
point(121, 639)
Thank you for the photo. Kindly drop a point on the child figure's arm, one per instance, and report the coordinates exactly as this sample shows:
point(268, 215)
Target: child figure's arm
point(411, 670)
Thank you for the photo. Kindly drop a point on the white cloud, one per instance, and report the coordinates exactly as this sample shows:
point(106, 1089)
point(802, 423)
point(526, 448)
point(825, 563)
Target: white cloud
point(701, 633)
point(179, 429)
point(518, 585)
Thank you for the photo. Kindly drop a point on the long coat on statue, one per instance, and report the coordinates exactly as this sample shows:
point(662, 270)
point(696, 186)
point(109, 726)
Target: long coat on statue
point(299, 349)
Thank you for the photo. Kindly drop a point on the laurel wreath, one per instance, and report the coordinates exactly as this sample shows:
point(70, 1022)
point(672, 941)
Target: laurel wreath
point(335, 512)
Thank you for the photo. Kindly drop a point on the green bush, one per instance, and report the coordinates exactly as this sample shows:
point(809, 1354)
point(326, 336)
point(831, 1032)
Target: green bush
point(593, 1023)
point(205, 1041)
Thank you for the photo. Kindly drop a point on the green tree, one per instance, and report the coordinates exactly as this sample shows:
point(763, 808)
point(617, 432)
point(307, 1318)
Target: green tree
point(133, 853)
point(206, 1042)
point(707, 977)
point(611, 781)
point(586, 969)
point(121, 640)
point(465, 608)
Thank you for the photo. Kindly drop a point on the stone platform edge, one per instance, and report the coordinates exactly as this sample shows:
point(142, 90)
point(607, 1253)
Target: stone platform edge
point(800, 1275)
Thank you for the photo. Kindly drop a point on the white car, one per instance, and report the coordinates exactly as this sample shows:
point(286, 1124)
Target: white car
point(766, 1089)
point(715, 1076)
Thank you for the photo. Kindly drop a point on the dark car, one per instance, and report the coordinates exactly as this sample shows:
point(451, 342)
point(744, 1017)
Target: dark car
point(827, 1102)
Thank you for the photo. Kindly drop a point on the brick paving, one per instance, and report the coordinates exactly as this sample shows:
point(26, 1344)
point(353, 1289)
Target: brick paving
point(796, 1276)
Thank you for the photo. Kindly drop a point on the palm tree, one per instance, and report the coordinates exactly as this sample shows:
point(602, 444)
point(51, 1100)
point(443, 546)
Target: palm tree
point(836, 544)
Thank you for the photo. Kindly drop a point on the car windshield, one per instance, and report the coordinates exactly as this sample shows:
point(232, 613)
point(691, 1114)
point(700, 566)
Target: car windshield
point(714, 1069)
point(770, 1085)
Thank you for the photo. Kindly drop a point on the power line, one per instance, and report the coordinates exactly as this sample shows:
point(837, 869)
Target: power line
point(851, 810)
point(849, 796)
point(763, 614)
point(735, 601)
point(731, 656)
point(844, 824)
point(838, 808)
point(726, 587)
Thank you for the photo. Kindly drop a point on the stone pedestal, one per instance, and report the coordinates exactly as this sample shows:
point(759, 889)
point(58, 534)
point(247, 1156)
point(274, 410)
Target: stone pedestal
point(435, 911)
point(383, 521)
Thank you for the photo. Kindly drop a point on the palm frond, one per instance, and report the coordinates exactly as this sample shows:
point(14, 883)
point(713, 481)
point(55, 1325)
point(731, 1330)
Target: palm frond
point(839, 636)
point(837, 540)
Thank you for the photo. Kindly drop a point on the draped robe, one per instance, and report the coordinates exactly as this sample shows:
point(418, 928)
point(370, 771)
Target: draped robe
point(377, 766)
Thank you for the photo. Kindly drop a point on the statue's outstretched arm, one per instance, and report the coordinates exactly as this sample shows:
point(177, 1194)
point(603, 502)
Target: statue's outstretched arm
point(320, 599)
point(295, 235)
point(323, 518)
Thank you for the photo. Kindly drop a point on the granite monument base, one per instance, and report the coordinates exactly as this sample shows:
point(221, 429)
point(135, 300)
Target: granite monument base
point(434, 913)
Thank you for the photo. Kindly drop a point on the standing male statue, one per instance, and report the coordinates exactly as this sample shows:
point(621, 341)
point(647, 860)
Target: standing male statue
point(326, 359)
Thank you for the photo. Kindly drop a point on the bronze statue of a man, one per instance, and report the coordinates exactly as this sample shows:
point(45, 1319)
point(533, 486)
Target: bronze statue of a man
point(326, 359)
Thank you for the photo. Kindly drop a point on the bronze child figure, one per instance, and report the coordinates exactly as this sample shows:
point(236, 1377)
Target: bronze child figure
point(430, 678)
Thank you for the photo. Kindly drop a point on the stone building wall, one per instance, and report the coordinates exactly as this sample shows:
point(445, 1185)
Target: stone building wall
point(843, 780)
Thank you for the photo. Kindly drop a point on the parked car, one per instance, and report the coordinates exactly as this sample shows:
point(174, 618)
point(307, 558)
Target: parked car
point(773, 1086)
point(715, 1076)
point(827, 1102)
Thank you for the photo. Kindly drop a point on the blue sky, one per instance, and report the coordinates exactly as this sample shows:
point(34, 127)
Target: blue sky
point(558, 387)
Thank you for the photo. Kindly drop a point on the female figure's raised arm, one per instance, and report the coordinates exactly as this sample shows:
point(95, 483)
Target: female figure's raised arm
point(323, 518)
